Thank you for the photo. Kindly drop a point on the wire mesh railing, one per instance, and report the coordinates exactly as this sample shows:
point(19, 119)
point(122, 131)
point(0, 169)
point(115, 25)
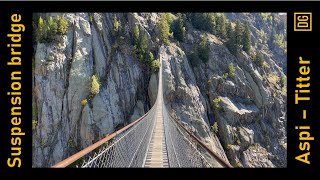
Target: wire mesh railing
point(186, 150)
point(127, 150)
point(181, 151)
point(124, 148)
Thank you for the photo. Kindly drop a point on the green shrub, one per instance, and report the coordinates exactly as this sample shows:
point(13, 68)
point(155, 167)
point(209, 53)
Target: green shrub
point(238, 165)
point(214, 128)
point(225, 75)
point(155, 65)
point(280, 41)
point(231, 70)
point(274, 94)
point(34, 124)
point(216, 103)
point(116, 24)
point(229, 146)
point(283, 81)
point(95, 85)
point(264, 17)
point(84, 102)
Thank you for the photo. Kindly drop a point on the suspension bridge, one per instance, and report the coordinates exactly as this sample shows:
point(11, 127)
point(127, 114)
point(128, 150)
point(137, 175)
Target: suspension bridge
point(155, 140)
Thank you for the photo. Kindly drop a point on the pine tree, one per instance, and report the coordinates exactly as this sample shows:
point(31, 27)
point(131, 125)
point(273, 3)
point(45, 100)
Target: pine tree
point(41, 31)
point(272, 39)
point(218, 26)
point(48, 29)
point(144, 49)
point(52, 29)
point(178, 28)
point(203, 49)
point(238, 33)
point(203, 21)
point(136, 36)
point(259, 59)
point(199, 21)
point(165, 28)
point(231, 44)
point(221, 26)
point(246, 40)
point(145, 42)
point(53, 26)
point(213, 22)
point(229, 29)
point(63, 25)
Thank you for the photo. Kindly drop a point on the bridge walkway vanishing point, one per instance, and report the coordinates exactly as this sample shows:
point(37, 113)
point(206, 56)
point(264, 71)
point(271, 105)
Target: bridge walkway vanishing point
point(154, 140)
point(157, 151)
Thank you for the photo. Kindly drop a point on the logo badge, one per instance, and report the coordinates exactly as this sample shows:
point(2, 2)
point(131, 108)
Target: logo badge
point(302, 21)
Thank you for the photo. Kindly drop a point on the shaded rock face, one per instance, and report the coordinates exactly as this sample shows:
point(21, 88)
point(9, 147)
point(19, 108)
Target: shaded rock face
point(249, 108)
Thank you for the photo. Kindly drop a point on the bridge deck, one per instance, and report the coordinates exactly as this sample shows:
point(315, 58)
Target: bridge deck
point(157, 151)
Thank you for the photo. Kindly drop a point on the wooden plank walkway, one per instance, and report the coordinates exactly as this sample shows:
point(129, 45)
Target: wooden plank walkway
point(157, 151)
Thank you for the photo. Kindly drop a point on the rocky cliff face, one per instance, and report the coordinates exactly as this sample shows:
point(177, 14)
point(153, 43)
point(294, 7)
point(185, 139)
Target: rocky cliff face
point(249, 108)
point(251, 113)
point(62, 80)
